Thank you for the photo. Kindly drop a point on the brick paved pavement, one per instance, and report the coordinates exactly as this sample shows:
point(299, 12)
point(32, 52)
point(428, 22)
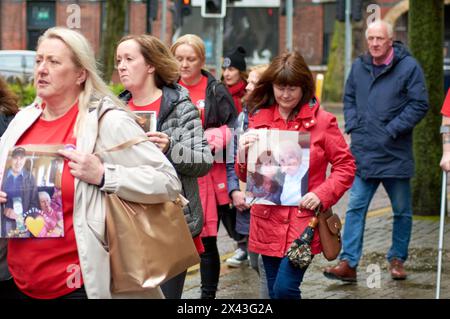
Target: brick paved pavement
point(421, 265)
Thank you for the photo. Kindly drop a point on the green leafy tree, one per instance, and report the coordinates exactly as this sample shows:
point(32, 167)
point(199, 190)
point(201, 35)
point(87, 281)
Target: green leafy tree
point(426, 33)
point(115, 26)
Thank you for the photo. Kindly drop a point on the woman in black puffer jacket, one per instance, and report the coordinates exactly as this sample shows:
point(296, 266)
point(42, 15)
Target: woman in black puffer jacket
point(149, 71)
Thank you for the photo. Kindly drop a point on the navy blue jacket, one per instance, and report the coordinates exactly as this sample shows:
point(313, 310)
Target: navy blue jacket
point(380, 114)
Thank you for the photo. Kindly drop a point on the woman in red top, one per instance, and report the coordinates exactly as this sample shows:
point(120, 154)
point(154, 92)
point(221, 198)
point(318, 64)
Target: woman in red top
point(284, 99)
point(218, 115)
point(71, 100)
point(234, 75)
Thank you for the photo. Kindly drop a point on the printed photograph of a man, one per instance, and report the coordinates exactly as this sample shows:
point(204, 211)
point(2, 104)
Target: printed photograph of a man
point(22, 195)
point(32, 183)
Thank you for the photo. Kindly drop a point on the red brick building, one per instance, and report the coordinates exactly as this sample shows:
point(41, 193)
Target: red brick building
point(21, 22)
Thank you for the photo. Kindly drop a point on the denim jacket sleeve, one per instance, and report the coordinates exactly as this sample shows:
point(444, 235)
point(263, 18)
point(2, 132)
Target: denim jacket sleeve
point(240, 126)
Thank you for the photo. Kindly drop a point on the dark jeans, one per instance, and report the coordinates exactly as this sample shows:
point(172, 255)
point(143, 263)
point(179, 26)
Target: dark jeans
point(9, 290)
point(283, 279)
point(209, 268)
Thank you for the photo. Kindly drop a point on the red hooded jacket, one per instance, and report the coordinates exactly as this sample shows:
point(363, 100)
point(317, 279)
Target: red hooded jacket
point(274, 228)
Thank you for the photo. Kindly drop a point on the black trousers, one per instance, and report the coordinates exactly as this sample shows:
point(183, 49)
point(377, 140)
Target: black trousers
point(210, 259)
point(209, 268)
point(173, 288)
point(227, 215)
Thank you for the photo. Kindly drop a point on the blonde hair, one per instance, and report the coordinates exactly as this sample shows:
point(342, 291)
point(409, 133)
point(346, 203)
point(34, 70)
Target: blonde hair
point(194, 41)
point(156, 54)
point(94, 88)
point(260, 68)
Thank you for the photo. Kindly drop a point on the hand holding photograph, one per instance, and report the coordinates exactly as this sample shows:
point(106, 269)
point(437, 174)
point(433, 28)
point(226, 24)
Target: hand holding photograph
point(32, 182)
point(277, 171)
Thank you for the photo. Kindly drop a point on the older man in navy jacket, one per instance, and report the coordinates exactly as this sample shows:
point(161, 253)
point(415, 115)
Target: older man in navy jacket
point(385, 97)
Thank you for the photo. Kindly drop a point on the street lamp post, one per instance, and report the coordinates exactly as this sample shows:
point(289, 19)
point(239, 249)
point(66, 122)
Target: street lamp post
point(289, 23)
point(348, 39)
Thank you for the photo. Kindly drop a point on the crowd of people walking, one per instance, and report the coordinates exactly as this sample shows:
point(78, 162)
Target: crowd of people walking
point(199, 135)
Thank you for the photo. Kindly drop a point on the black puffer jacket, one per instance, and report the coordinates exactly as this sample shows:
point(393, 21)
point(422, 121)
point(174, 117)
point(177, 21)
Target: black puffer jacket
point(189, 151)
point(219, 104)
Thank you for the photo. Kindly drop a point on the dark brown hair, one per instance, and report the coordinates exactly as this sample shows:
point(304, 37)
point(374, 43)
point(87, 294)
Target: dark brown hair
point(265, 157)
point(288, 68)
point(8, 100)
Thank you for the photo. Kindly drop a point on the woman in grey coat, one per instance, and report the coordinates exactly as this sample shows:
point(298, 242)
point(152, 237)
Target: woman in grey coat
point(148, 72)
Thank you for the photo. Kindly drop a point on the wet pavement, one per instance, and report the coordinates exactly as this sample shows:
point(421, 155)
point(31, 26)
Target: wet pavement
point(374, 281)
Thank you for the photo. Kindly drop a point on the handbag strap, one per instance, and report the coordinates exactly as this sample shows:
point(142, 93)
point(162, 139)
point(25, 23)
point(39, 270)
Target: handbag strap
point(124, 145)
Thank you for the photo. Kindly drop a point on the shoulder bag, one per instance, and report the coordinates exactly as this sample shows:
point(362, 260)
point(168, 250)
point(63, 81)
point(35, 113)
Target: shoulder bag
point(148, 243)
point(330, 233)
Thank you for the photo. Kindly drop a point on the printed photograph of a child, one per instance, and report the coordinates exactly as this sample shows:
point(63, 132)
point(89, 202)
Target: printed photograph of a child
point(32, 182)
point(278, 167)
point(147, 120)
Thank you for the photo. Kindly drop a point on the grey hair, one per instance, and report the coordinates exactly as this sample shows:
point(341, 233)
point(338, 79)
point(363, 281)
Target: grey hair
point(44, 195)
point(286, 146)
point(379, 22)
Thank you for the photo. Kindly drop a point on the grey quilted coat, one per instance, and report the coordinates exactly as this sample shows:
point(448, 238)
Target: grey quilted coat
point(189, 151)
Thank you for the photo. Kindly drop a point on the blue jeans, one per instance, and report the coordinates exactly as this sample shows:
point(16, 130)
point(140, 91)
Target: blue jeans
point(283, 279)
point(361, 193)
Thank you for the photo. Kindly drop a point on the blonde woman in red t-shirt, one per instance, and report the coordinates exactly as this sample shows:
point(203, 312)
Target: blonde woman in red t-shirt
point(218, 114)
point(71, 100)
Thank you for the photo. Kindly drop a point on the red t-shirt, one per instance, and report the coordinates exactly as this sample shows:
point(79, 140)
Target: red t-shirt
point(197, 93)
point(446, 106)
point(155, 106)
point(145, 118)
point(43, 267)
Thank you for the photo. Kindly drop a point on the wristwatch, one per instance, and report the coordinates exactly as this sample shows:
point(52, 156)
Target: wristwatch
point(445, 129)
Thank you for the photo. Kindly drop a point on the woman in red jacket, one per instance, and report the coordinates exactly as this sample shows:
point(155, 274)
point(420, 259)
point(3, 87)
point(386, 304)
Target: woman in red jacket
point(217, 114)
point(284, 99)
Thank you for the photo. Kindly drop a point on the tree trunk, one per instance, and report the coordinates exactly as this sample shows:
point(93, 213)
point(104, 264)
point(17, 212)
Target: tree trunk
point(426, 33)
point(115, 26)
point(334, 78)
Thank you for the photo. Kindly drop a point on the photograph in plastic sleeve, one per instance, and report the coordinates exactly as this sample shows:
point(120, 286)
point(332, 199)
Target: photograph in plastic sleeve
point(278, 168)
point(147, 120)
point(32, 183)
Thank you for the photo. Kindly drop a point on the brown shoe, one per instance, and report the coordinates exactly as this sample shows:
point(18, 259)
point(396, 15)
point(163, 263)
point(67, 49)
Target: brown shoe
point(397, 270)
point(341, 271)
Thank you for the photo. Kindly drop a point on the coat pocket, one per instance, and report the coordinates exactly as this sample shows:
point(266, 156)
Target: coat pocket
point(262, 211)
point(98, 229)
